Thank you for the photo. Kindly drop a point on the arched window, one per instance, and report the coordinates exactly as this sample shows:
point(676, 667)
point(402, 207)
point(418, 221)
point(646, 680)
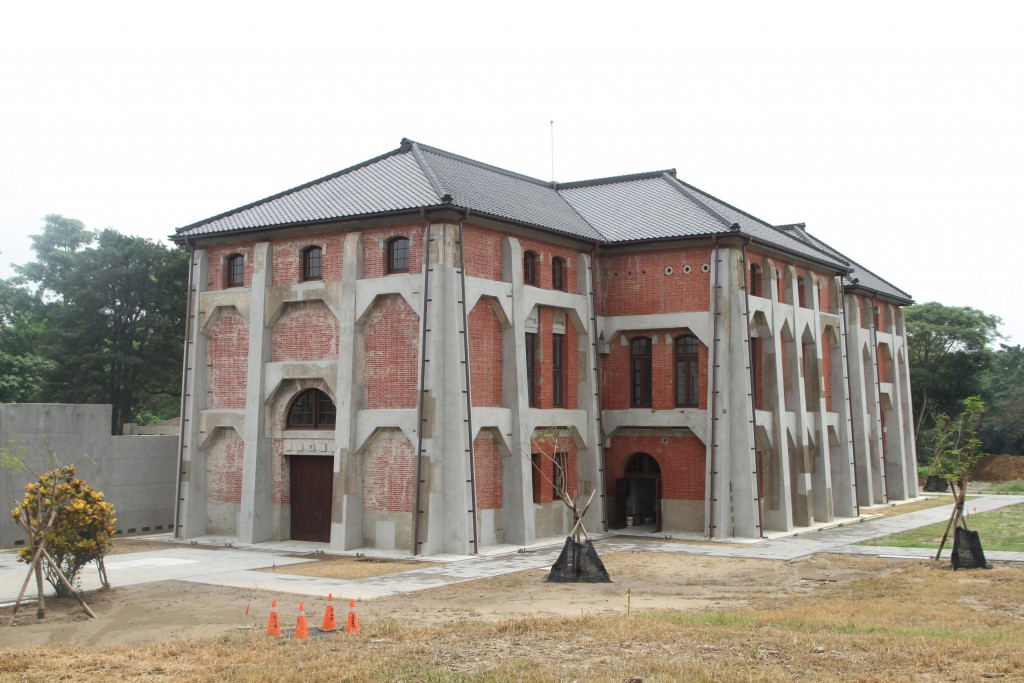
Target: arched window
point(642, 464)
point(530, 274)
point(640, 372)
point(312, 409)
point(755, 280)
point(234, 270)
point(558, 273)
point(398, 255)
point(687, 372)
point(311, 263)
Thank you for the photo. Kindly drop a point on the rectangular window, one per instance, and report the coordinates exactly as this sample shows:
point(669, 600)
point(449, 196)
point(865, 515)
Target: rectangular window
point(558, 391)
point(531, 373)
point(560, 476)
point(640, 372)
point(535, 461)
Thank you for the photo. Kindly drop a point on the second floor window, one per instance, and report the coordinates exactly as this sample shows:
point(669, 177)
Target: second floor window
point(558, 273)
point(311, 263)
point(755, 280)
point(398, 255)
point(235, 267)
point(531, 368)
point(557, 362)
point(530, 265)
point(640, 372)
point(687, 378)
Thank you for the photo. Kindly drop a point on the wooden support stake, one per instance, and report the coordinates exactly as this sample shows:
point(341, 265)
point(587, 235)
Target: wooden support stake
point(67, 584)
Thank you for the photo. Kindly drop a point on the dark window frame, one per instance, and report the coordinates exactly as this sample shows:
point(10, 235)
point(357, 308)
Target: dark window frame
point(531, 369)
point(312, 263)
point(801, 291)
point(558, 273)
point(687, 371)
point(559, 474)
point(234, 271)
point(641, 359)
point(755, 279)
point(558, 370)
point(398, 254)
point(318, 411)
point(531, 266)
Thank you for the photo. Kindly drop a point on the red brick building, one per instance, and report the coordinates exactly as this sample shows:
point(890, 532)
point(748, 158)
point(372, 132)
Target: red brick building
point(396, 355)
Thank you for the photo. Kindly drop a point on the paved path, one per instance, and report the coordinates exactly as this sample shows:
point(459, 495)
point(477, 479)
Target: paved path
point(235, 566)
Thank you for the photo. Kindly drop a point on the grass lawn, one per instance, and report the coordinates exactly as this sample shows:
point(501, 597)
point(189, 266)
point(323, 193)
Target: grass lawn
point(1001, 529)
point(1016, 486)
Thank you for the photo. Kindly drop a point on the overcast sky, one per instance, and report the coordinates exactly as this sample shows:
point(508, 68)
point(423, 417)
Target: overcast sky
point(893, 129)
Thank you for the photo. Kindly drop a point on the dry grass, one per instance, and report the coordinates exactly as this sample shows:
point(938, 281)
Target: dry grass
point(346, 567)
point(123, 546)
point(904, 508)
point(919, 621)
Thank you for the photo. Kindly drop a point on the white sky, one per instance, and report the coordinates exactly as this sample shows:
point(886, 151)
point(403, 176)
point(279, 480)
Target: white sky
point(893, 129)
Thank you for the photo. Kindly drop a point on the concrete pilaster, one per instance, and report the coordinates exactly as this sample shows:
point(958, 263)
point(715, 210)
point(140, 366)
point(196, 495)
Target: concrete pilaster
point(256, 516)
point(192, 516)
point(347, 506)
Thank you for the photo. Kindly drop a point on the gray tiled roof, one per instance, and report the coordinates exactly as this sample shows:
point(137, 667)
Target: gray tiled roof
point(859, 276)
point(648, 206)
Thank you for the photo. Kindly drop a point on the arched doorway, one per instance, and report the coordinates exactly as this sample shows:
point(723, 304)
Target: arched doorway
point(638, 493)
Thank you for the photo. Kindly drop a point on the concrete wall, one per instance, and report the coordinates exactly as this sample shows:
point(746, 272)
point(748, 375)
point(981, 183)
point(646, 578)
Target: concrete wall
point(135, 473)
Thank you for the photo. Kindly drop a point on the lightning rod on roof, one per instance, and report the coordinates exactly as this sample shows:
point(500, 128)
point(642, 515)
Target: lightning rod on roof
point(552, 150)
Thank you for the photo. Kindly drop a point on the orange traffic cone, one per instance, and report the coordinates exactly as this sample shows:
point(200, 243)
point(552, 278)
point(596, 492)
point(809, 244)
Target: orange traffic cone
point(273, 624)
point(301, 631)
point(352, 626)
point(329, 623)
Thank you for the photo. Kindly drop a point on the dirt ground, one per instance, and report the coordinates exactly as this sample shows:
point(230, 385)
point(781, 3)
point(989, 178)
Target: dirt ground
point(1000, 468)
point(170, 610)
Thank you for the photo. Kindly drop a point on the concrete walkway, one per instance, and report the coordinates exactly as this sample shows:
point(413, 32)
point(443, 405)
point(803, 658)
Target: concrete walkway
point(232, 566)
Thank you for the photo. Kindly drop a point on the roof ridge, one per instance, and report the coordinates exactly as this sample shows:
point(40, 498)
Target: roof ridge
point(480, 164)
point(684, 189)
point(853, 263)
point(428, 170)
point(362, 164)
point(611, 180)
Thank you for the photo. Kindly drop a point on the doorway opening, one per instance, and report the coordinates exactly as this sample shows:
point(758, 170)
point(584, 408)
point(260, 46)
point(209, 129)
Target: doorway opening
point(312, 488)
point(638, 494)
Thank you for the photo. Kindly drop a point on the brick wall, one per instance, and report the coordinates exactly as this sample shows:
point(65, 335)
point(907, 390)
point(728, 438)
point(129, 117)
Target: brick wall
point(216, 275)
point(637, 283)
point(545, 255)
point(681, 459)
point(483, 252)
point(390, 342)
point(757, 353)
point(488, 471)
point(227, 358)
point(306, 331)
point(288, 257)
point(375, 248)
point(388, 472)
point(615, 371)
point(224, 457)
point(485, 354)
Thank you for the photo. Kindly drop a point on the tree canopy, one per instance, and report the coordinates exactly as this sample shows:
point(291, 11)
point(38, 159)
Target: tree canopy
point(97, 317)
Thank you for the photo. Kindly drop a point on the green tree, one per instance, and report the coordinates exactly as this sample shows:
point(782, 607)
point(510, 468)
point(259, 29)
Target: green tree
point(23, 370)
point(948, 350)
point(114, 307)
point(1004, 424)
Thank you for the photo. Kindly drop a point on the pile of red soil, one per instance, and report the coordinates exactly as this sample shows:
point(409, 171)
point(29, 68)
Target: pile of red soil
point(999, 468)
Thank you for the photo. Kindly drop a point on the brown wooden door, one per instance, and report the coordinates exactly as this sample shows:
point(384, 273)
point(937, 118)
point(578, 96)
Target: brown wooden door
point(312, 488)
point(657, 505)
point(621, 494)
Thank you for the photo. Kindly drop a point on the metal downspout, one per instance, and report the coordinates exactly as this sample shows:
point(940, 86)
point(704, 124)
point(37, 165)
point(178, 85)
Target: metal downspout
point(753, 398)
point(714, 393)
point(878, 394)
point(182, 419)
point(597, 389)
point(849, 395)
point(417, 484)
point(469, 394)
